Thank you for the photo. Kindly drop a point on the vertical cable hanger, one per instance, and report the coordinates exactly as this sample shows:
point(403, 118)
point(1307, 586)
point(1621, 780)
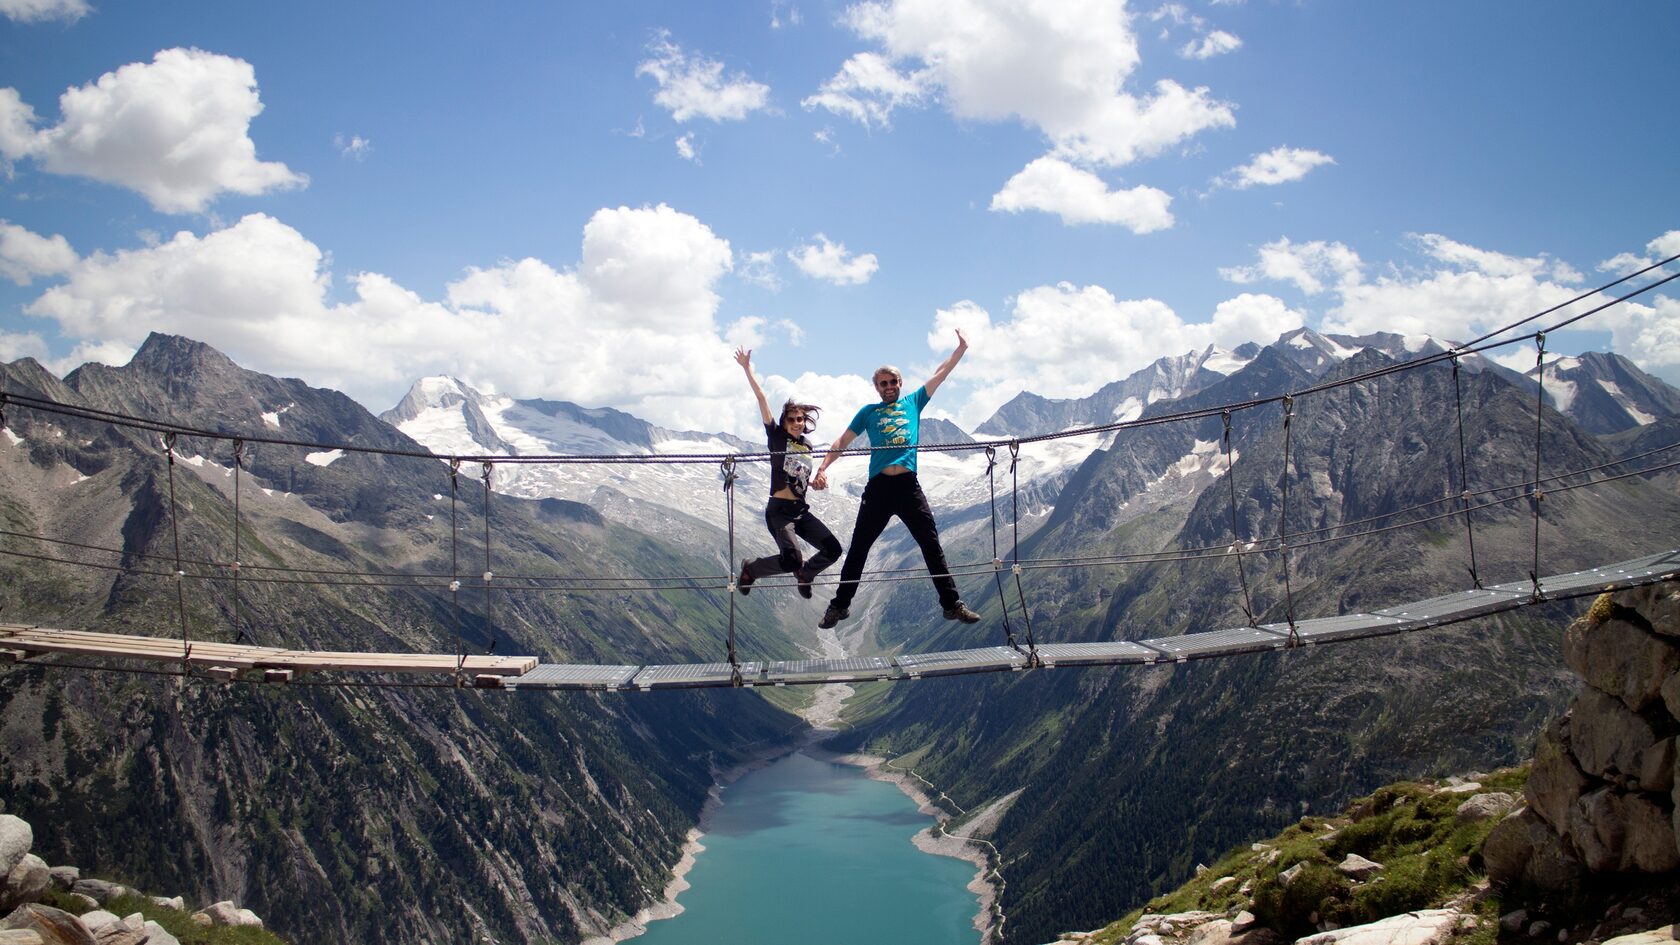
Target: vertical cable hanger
point(1237, 544)
point(997, 561)
point(180, 575)
point(455, 563)
point(728, 474)
point(489, 600)
point(1015, 552)
point(1464, 474)
point(238, 467)
point(1283, 520)
point(1539, 416)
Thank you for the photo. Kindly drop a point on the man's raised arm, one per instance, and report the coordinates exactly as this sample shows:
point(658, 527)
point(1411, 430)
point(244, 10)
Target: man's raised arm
point(944, 370)
point(820, 480)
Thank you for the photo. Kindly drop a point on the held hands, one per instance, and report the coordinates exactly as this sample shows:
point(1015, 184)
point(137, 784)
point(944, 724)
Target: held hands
point(819, 481)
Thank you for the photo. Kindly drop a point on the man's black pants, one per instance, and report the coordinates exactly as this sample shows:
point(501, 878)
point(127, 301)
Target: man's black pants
point(884, 497)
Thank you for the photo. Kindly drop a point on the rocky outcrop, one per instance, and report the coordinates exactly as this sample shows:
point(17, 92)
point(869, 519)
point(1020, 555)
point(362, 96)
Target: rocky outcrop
point(28, 880)
point(1601, 794)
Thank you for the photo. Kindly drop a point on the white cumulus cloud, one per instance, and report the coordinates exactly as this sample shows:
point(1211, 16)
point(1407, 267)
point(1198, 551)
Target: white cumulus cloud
point(176, 129)
point(633, 324)
point(36, 11)
point(831, 262)
point(1658, 249)
point(1069, 341)
point(1079, 196)
point(693, 86)
point(26, 255)
point(1280, 165)
point(1215, 43)
point(1311, 266)
point(1061, 66)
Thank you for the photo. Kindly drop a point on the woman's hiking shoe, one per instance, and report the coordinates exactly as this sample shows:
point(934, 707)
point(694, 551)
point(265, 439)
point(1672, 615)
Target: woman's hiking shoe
point(960, 611)
point(834, 615)
point(804, 583)
point(744, 581)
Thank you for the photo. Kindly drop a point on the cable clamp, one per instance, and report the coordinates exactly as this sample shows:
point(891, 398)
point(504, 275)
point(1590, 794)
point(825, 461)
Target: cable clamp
point(488, 575)
point(454, 587)
point(726, 472)
point(239, 452)
point(1235, 549)
point(997, 564)
point(234, 566)
point(1015, 570)
point(1465, 495)
point(180, 576)
point(1539, 495)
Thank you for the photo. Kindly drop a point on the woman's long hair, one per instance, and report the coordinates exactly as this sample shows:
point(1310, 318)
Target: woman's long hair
point(811, 412)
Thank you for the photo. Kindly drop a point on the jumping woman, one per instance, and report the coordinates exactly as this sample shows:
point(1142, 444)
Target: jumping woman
point(790, 475)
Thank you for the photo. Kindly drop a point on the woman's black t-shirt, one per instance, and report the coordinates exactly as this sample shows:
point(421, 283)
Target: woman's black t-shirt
point(790, 461)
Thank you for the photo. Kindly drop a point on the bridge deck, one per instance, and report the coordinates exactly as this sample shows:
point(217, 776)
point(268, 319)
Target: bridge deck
point(525, 672)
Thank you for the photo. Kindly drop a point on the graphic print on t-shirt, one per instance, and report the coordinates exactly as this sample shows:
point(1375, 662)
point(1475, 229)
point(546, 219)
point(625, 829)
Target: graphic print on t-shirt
point(797, 465)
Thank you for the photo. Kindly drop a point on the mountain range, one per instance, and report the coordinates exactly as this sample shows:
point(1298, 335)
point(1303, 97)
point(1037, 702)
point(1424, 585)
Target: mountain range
point(537, 819)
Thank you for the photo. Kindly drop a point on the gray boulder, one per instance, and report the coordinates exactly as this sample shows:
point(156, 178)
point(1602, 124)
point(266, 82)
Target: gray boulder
point(1663, 936)
point(16, 839)
point(226, 913)
point(1656, 769)
point(158, 935)
point(1671, 695)
point(55, 926)
point(1359, 868)
point(20, 937)
point(1485, 806)
point(27, 882)
point(101, 891)
point(64, 877)
point(1522, 852)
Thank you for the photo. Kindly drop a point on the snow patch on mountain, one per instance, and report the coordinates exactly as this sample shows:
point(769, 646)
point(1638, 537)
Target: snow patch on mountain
point(1626, 403)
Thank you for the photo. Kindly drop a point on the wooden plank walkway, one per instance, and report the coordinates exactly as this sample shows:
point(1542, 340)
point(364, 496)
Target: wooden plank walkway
point(31, 640)
point(227, 660)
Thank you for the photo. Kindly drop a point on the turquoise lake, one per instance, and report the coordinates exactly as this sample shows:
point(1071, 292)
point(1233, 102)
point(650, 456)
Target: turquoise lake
point(813, 852)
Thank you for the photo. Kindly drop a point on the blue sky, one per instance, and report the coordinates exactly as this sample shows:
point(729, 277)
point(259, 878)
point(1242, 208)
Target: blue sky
point(597, 202)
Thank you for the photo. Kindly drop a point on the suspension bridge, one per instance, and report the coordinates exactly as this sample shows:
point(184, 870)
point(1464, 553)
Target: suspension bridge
point(248, 662)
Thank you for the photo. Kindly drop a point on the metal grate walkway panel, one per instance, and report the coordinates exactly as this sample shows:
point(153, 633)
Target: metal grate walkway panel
point(989, 659)
point(1218, 643)
point(1345, 627)
point(1449, 608)
point(692, 675)
point(575, 676)
point(1597, 580)
point(1105, 653)
point(853, 669)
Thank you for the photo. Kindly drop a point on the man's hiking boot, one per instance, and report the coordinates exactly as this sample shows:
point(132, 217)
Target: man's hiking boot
point(804, 581)
point(960, 611)
point(834, 615)
point(744, 581)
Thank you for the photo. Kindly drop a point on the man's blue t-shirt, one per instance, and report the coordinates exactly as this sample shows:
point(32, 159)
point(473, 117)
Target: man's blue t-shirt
point(898, 424)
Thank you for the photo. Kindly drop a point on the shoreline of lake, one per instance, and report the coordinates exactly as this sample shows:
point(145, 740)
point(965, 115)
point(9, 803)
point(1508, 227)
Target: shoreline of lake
point(823, 715)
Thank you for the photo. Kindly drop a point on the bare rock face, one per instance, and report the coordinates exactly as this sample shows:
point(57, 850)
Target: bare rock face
point(1622, 658)
point(1603, 792)
point(1425, 927)
point(1608, 740)
point(1554, 779)
point(1620, 832)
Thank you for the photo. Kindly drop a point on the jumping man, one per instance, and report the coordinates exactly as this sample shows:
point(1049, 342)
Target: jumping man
point(894, 427)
